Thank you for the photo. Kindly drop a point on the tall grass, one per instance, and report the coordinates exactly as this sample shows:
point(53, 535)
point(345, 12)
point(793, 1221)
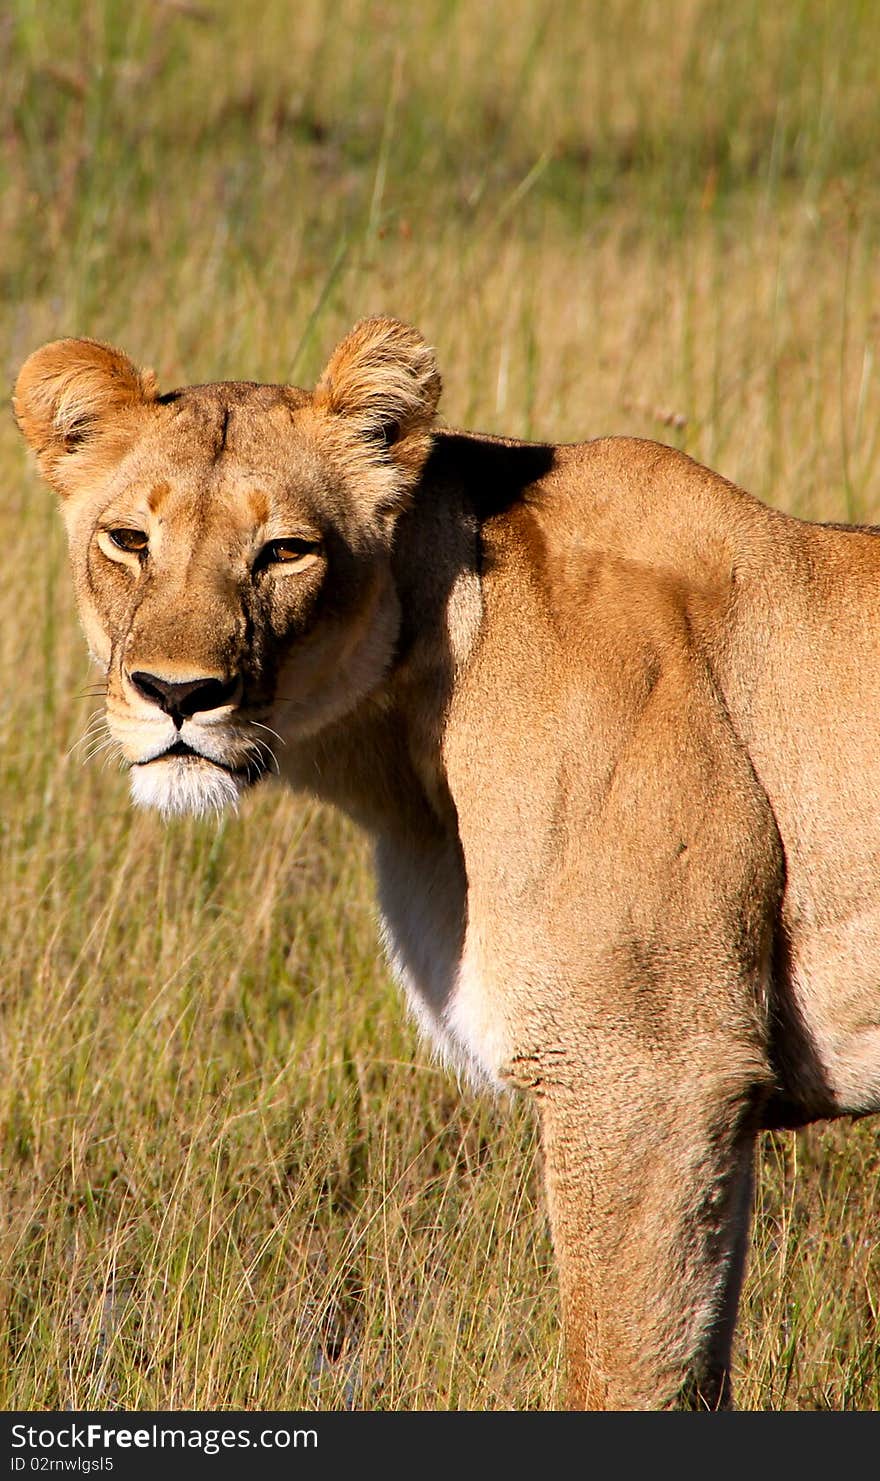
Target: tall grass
point(231, 1176)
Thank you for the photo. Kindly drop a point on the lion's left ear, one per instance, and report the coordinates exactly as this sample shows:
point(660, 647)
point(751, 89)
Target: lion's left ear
point(381, 387)
point(76, 401)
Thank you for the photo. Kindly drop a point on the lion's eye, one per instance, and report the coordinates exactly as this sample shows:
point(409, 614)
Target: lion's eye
point(291, 550)
point(134, 542)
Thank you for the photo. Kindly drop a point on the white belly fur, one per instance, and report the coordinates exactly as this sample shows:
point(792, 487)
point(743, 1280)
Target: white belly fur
point(423, 926)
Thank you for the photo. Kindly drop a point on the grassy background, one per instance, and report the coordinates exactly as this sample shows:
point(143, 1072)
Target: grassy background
point(230, 1176)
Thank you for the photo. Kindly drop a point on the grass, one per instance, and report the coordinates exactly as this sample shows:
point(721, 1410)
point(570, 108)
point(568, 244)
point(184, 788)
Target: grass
point(231, 1177)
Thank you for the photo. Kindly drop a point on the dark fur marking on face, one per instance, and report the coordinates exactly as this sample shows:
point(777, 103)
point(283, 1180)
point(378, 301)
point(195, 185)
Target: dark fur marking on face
point(224, 428)
point(157, 497)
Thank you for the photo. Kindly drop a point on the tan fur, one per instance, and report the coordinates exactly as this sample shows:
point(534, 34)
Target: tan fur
point(70, 391)
point(613, 726)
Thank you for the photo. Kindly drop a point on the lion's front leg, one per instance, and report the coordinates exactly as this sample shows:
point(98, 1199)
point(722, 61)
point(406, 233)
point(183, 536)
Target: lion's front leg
point(649, 1194)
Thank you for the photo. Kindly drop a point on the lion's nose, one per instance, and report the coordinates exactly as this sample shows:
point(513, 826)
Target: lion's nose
point(183, 700)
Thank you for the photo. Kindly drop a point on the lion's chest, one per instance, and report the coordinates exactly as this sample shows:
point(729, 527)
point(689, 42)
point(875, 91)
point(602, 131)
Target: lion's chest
point(423, 902)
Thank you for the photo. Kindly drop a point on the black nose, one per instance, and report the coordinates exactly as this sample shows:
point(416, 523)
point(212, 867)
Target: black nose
point(182, 701)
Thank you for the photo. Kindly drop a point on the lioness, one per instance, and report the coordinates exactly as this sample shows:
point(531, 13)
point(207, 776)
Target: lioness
point(613, 726)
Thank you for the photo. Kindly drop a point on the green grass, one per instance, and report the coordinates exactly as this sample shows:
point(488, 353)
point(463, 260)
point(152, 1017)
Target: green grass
point(231, 1176)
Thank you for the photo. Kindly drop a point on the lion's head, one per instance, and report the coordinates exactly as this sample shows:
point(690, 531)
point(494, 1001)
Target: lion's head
point(231, 545)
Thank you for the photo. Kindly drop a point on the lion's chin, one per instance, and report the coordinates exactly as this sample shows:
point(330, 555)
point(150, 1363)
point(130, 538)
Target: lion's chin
point(180, 785)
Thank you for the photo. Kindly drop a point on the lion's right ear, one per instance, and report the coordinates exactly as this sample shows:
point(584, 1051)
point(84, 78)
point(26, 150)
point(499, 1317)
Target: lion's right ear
point(76, 401)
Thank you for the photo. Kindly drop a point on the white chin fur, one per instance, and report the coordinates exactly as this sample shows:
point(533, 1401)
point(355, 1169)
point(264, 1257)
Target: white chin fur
point(178, 786)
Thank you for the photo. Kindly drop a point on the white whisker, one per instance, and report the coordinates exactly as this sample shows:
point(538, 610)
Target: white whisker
point(261, 749)
point(109, 743)
point(260, 726)
point(97, 722)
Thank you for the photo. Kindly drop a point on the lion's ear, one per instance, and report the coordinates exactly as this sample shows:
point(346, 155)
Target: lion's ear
point(74, 400)
point(381, 387)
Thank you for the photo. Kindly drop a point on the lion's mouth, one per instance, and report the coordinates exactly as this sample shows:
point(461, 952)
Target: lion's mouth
point(193, 781)
point(248, 771)
point(187, 753)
